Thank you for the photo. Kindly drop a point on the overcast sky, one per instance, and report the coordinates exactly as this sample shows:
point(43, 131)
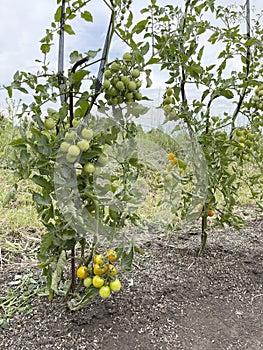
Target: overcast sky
point(23, 24)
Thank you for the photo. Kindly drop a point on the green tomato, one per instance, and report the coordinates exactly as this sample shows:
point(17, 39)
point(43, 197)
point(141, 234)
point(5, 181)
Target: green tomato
point(70, 135)
point(115, 66)
point(127, 57)
point(242, 139)
point(87, 282)
point(64, 146)
point(70, 158)
point(120, 86)
point(138, 96)
point(239, 132)
point(103, 159)
point(49, 123)
point(169, 92)
point(107, 74)
point(75, 123)
point(125, 80)
point(87, 133)
point(167, 100)
point(83, 145)
point(89, 168)
point(115, 285)
point(106, 84)
point(132, 86)
point(251, 136)
point(104, 292)
point(113, 92)
point(138, 84)
point(97, 281)
point(73, 151)
point(135, 73)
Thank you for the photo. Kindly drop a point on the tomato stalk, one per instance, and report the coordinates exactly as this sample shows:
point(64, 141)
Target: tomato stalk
point(73, 270)
point(203, 232)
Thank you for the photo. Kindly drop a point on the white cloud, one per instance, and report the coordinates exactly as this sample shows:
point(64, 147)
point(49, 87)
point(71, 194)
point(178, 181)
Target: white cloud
point(23, 24)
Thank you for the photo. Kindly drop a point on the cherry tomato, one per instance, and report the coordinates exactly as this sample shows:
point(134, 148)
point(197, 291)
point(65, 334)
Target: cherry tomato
point(112, 255)
point(115, 285)
point(97, 281)
point(104, 292)
point(82, 272)
point(100, 269)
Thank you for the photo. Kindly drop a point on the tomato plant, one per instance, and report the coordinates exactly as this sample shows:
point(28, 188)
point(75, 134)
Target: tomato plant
point(180, 40)
point(82, 153)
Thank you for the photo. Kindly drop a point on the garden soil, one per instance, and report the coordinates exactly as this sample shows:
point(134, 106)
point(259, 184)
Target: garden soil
point(172, 300)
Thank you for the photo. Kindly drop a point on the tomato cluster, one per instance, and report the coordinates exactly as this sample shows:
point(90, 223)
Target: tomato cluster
point(257, 99)
point(172, 161)
point(121, 81)
point(168, 102)
point(102, 274)
point(245, 141)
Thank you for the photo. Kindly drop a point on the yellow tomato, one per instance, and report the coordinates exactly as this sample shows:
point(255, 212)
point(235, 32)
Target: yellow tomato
point(100, 269)
point(112, 255)
point(171, 156)
point(104, 292)
point(99, 259)
point(97, 281)
point(112, 270)
point(82, 272)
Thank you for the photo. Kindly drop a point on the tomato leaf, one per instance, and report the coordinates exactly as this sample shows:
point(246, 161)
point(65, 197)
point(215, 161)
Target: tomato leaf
point(127, 259)
point(68, 29)
point(87, 16)
point(57, 274)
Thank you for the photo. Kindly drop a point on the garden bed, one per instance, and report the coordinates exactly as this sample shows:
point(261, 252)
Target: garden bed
point(173, 301)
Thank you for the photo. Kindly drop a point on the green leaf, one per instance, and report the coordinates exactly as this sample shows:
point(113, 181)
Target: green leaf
point(250, 41)
point(57, 274)
point(153, 60)
point(17, 142)
point(41, 200)
point(227, 94)
point(145, 49)
point(68, 29)
point(87, 16)
point(9, 91)
point(140, 26)
point(79, 75)
point(90, 293)
point(182, 165)
point(41, 181)
point(127, 259)
point(75, 56)
point(57, 15)
point(129, 20)
point(10, 195)
point(45, 48)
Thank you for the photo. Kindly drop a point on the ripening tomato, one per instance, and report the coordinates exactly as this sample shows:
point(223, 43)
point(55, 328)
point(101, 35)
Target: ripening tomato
point(112, 255)
point(87, 282)
point(100, 269)
point(104, 292)
point(112, 270)
point(171, 156)
point(211, 213)
point(99, 259)
point(82, 272)
point(97, 281)
point(115, 285)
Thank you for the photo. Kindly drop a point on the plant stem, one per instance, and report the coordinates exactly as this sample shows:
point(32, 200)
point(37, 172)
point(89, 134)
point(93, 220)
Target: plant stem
point(73, 277)
point(203, 233)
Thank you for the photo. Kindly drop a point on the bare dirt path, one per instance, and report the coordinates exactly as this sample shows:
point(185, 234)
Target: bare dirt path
point(175, 301)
